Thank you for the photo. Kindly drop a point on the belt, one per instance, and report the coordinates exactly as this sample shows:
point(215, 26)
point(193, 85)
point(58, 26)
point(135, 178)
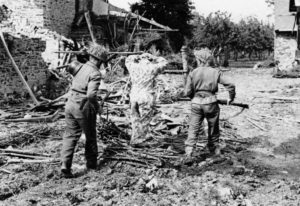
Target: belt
point(204, 100)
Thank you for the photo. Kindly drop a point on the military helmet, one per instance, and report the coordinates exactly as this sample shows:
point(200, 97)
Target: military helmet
point(98, 51)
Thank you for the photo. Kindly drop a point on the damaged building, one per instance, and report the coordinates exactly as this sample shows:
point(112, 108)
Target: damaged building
point(286, 30)
point(34, 29)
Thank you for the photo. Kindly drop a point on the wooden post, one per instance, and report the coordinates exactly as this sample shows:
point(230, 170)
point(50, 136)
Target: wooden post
point(298, 27)
point(184, 63)
point(89, 23)
point(18, 70)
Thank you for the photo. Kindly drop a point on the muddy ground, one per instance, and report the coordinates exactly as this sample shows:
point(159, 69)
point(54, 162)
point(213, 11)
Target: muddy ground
point(260, 165)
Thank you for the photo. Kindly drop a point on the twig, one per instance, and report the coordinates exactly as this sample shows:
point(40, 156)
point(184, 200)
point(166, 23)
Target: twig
point(125, 159)
point(22, 156)
point(6, 171)
point(14, 161)
point(256, 125)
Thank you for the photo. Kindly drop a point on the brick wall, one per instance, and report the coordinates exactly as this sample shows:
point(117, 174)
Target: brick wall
point(32, 30)
point(285, 48)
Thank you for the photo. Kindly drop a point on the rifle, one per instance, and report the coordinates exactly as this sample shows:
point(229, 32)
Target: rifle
point(222, 102)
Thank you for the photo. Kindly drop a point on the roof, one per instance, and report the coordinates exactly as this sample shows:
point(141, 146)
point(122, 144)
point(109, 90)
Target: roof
point(104, 8)
point(284, 19)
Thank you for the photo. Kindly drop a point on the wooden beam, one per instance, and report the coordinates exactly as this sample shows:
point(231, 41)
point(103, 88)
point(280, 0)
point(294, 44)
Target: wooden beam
point(84, 52)
point(157, 30)
point(122, 14)
point(90, 25)
point(174, 72)
point(18, 70)
point(184, 63)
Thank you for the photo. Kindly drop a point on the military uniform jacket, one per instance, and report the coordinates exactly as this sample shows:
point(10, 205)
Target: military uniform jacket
point(202, 85)
point(85, 84)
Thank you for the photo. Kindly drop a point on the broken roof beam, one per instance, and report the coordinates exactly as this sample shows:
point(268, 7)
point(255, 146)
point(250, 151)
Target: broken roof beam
point(158, 30)
point(122, 14)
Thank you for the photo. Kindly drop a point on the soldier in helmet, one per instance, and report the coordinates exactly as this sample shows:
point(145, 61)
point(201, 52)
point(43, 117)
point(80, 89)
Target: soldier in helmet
point(201, 87)
point(81, 109)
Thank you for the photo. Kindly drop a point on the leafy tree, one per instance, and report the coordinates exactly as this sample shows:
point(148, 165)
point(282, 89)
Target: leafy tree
point(270, 2)
point(173, 13)
point(220, 34)
point(215, 31)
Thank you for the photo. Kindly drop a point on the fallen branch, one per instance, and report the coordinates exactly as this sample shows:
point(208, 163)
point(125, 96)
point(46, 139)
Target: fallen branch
point(22, 156)
point(48, 118)
point(49, 161)
point(256, 125)
point(285, 98)
point(5, 171)
point(23, 152)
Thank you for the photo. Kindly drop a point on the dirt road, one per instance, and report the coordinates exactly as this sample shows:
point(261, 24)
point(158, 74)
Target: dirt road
point(263, 169)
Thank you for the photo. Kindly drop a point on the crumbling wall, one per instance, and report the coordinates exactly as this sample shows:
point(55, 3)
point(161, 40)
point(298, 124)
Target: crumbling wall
point(34, 17)
point(27, 55)
point(32, 30)
point(285, 48)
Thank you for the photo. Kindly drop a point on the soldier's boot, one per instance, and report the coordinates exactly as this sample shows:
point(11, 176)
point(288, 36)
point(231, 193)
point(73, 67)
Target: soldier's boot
point(65, 170)
point(215, 149)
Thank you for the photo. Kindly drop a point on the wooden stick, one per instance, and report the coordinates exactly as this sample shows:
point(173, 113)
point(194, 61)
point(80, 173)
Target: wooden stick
point(17, 70)
point(256, 125)
point(6, 171)
point(21, 156)
point(136, 26)
point(174, 71)
point(162, 30)
point(286, 98)
point(184, 63)
point(84, 52)
point(90, 25)
point(23, 152)
point(48, 118)
point(14, 161)
point(125, 53)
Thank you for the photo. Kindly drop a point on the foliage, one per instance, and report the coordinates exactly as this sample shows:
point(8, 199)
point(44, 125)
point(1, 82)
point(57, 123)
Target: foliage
point(220, 34)
point(213, 31)
point(173, 13)
point(270, 2)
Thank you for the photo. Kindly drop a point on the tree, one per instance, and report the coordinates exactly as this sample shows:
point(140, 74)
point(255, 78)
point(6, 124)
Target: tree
point(270, 2)
point(218, 33)
point(173, 13)
point(214, 31)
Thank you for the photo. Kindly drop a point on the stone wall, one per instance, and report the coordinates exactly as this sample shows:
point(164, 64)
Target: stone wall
point(32, 30)
point(285, 48)
point(34, 17)
point(27, 55)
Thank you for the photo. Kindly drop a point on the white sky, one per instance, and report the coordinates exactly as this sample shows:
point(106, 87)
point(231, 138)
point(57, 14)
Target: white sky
point(238, 8)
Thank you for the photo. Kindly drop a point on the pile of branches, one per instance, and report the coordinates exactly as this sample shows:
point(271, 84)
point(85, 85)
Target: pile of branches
point(160, 149)
point(152, 152)
point(31, 135)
